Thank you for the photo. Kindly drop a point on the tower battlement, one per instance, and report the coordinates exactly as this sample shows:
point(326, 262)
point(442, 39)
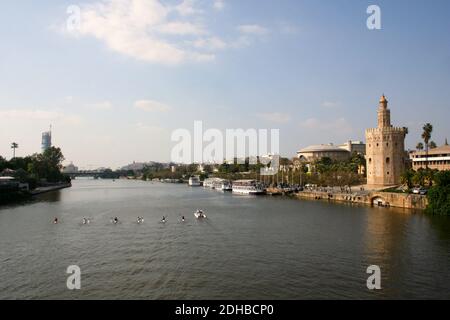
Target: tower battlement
point(401, 130)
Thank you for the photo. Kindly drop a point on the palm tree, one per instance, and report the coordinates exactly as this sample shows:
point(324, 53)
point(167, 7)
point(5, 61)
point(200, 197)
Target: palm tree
point(426, 136)
point(14, 146)
point(419, 146)
point(433, 145)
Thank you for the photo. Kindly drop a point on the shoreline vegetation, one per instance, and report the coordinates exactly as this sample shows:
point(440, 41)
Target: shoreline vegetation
point(23, 178)
point(294, 178)
point(43, 173)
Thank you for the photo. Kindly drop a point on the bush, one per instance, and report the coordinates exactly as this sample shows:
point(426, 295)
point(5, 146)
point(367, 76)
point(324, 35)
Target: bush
point(439, 194)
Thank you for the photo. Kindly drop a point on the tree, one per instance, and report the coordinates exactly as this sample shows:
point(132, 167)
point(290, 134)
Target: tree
point(419, 177)
point(419, 146)
point(407, 178)
point(14, 146)
point(433, 145)
point(439, 194)
point(426, 136)
point(3, 163)
point(47, 165)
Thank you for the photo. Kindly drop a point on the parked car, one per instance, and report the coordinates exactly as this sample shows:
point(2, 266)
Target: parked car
point(420, 190)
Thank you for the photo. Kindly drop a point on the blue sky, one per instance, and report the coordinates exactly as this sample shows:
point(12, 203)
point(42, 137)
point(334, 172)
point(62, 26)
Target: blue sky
point(116, 88)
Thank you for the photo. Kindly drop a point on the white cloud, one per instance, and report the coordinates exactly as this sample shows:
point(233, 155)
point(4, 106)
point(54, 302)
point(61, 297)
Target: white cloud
point(288, 28)
point(181, 29)
point(39, 115)
point(275, 117)
point(105, 105)
point(248, 33)
point(142, 29)
point(151, 106)
point(340, 125)
point(187, 8)
point(330, 104)
point(253, 29)
point(212, 43)
point(219, 5)
point(154, 31)
point(148, 128)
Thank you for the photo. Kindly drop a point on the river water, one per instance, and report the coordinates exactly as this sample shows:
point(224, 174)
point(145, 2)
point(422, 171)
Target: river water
point(248, 248)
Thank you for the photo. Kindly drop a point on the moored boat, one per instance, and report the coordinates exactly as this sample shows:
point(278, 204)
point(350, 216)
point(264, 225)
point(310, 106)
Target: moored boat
point(251, 187)
point(194, 181)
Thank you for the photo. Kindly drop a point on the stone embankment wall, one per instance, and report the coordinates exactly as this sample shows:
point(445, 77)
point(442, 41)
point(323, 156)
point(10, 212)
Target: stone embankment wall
point(386, 199)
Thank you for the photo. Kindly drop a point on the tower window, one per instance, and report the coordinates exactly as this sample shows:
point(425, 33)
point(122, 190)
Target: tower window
point(388, 173)
point(388, 160)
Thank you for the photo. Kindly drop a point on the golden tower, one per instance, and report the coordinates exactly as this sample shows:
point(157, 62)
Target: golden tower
point(385, 149)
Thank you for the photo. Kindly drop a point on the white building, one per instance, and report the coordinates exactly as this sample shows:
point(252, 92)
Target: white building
point(70, 168)
point(354, 146)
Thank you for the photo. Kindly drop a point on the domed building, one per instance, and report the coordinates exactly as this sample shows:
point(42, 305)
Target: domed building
point(317, 152)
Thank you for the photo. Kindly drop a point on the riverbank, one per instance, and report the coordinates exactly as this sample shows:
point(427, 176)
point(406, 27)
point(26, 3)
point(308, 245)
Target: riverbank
point(372, 198)
point(41, 190)
point(18, 196)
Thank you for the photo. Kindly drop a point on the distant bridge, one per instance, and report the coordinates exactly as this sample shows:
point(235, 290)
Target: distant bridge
point(86, 173)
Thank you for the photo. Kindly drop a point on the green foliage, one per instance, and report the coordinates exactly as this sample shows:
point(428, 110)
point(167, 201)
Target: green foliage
point(407, 178)
point(439, 194)
point(32, 169)
point(328, 172)
point(47, 165)
point(3, 163)
point(419, 146)
point(426, 134)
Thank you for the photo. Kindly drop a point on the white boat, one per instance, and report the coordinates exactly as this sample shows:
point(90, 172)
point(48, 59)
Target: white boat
point(223, 185)
point(199, 214)
point(209, 183)
point(194, 181)
point(251, 187)
point(217, 184)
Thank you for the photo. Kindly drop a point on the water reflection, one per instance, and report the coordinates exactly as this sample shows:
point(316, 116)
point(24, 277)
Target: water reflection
point(441, 224)
point(54, 196)
point(249, 248)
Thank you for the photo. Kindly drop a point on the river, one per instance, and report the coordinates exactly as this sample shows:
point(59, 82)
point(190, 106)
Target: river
point(248, 248)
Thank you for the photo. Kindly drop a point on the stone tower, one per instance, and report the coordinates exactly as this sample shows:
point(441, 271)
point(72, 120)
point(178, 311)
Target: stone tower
point(385, 149)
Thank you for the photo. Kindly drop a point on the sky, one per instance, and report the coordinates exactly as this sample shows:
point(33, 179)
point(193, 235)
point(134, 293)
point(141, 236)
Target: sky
point(115, 78)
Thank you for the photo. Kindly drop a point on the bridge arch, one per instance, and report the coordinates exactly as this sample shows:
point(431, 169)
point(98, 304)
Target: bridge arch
point(378, 200)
